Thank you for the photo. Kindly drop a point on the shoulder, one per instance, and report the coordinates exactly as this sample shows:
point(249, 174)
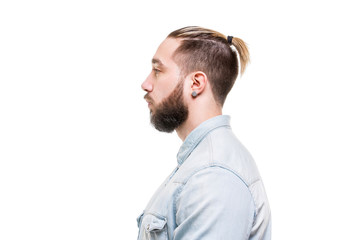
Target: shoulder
point(229, 152)
point(216, 182)
point(215, 191)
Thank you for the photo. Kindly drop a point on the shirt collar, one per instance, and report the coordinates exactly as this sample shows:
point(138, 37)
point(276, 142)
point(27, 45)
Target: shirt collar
point(195, 137)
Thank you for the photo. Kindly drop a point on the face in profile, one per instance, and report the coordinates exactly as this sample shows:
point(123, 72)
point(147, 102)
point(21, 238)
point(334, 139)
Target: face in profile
point(164, 87)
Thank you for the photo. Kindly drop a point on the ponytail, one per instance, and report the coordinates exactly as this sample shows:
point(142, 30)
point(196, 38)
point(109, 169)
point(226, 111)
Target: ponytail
point(243, 51)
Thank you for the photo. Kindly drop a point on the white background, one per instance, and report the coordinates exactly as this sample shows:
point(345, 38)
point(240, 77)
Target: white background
point(79, 159)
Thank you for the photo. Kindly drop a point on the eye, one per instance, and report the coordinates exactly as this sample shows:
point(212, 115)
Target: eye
point(156, 71)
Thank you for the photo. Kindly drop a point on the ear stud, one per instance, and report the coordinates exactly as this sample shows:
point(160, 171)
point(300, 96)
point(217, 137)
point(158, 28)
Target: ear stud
point(194, 94)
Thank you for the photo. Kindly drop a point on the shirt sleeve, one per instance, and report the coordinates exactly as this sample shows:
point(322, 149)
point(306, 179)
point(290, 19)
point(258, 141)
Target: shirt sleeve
point(214, 204)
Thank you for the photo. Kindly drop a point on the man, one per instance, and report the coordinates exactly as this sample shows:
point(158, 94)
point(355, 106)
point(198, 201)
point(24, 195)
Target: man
point(215, 192)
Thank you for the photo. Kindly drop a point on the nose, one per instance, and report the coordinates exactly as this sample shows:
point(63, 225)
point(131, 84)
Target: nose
point(147, 85)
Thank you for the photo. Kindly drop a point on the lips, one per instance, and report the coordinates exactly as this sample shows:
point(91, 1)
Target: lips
point(148, 99)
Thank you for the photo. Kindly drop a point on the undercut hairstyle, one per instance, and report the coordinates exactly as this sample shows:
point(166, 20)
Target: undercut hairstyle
point(209, 51)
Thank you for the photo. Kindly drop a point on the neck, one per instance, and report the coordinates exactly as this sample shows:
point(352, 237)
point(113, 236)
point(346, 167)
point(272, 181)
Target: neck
point(195, 118)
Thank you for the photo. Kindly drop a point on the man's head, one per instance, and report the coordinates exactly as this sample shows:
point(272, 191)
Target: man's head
point(191, 61)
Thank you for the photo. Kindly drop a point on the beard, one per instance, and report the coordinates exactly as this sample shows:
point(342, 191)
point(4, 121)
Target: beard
point(171, 112)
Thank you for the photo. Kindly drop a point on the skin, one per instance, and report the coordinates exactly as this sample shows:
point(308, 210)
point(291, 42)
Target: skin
point(163, 79)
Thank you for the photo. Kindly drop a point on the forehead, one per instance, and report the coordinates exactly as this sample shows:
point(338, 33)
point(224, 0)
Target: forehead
point(165, 52)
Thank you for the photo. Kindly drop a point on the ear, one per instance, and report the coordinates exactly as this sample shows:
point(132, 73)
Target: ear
point(199, 81)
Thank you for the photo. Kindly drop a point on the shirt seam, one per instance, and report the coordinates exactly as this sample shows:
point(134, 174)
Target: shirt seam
point(210, 166)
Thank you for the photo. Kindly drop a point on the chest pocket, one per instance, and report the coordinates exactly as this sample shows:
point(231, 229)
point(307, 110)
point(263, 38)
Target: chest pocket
point(152, 227)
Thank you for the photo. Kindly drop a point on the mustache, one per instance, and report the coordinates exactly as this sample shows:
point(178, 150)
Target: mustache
point(148, 98)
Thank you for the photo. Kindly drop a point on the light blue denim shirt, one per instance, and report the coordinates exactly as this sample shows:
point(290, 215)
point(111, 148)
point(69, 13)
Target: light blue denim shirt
point(214, 193)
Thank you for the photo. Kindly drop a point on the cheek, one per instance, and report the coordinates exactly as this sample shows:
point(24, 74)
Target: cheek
point(166, 87)
point(169, 85)
point(158, 95)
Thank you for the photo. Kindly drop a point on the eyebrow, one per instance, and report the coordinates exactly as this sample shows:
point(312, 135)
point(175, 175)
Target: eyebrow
point(157, 61)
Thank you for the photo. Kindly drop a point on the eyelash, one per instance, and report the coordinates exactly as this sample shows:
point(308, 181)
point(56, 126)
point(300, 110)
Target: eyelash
point(156, 71)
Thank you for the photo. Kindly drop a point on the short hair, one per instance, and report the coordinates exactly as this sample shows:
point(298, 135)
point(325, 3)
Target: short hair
point(209, 51)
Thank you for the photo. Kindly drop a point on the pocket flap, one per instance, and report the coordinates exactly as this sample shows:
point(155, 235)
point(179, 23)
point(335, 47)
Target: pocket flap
point(153, 223)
